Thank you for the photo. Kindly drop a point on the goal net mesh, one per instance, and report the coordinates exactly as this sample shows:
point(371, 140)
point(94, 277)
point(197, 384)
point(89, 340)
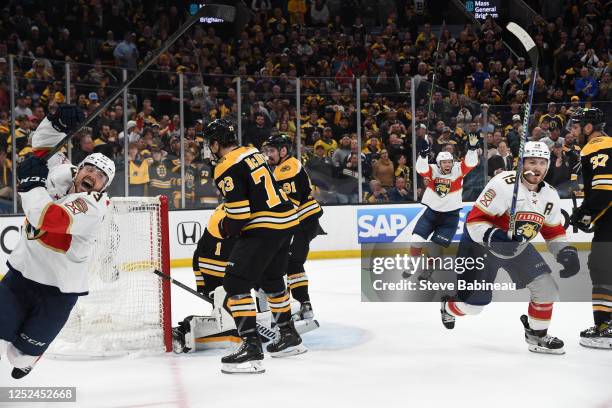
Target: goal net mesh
point(123, 313)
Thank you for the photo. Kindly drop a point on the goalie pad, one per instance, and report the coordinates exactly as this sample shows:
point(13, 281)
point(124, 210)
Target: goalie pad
point(202, 333)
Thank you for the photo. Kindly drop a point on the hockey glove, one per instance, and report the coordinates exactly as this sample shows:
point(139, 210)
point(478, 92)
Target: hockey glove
point(473, 141)
point(31, 173)
point(581, 218)
point(568, 257)
point(500, 243)
point(425, 149)
point(66, 118)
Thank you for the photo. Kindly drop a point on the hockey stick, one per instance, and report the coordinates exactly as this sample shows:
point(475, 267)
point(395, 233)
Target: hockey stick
point(264, 332)
point(433, 77)
point(227, 13)
point(575, 227)
point(532, 51)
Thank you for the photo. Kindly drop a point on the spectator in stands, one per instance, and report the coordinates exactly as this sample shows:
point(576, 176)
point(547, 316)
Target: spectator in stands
point(343, 151)
point(377, 194)
point(399, 193)
point(6, 182)
point(559, 173)
point(502, 161)
point(126, 53)
point(319, 13)
point(257, 131)
point(347, 184)
point(383, 169)
point(138, 171)
point(320, 167)
point(553, 137)
point(86, 146)
point(23, 108)
point(586, 86)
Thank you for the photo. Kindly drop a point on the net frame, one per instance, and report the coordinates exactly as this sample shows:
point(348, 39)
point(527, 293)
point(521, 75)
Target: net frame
point(95, 328)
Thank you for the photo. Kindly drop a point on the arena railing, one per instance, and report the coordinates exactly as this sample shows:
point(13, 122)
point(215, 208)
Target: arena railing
point(171, 108)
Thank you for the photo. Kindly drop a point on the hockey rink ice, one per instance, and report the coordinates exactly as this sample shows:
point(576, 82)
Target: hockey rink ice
point(363, 355)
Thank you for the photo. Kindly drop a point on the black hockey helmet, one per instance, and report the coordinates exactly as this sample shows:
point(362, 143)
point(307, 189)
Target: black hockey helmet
point(279, 141)
point(594, 116)
point(222, 131)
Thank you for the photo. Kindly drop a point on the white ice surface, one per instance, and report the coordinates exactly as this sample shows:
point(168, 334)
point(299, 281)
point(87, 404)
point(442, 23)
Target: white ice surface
point(364, 355)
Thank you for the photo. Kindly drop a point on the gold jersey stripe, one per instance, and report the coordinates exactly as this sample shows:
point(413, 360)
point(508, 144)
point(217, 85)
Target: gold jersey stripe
point(244, 314)
point(237, 204)
point(244, 301)
point(212, 261)
point(212, 273)
point(243, 216)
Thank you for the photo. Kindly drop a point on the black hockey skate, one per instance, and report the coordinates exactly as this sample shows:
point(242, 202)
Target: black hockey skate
point(287, 343)
point(448, 320)
point(539, 341)
point(597, 336)
point(19, 373)
point(246, 359)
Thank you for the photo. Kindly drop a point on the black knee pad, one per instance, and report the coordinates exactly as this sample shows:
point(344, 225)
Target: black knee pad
point(234, 285)
point(273, 285)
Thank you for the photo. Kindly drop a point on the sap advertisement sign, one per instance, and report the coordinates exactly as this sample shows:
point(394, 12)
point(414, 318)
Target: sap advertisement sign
point(395, 223)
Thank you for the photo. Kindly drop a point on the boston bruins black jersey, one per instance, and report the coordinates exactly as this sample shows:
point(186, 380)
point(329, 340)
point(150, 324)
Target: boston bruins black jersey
point(294, 180)
point(596, 158)
point(160, 177)
point(206, 192)
point(254, 203)
point(211, 255)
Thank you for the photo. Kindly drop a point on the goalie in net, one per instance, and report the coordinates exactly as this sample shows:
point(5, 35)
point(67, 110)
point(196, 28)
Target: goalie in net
point(64, 208)
point(197, 333)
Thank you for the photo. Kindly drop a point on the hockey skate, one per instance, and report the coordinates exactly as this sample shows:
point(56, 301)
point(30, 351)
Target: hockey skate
point(597, 336)
point(246, 359)
point(539, 341)
point(288, 342)
point(448, 320)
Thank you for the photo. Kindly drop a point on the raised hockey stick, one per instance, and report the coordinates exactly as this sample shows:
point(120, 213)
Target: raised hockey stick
point(264, 332)
point(532, 51)
point(221, 11)
point(433, 77)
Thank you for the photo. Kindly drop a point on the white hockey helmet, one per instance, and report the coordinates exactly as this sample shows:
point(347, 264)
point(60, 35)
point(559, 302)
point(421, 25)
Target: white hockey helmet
point(103, 163)
point(537, 149)
point(444, 156)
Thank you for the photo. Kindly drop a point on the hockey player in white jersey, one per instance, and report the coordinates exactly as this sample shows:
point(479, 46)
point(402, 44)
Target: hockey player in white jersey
point(487, 236)
point(442, 197)
point(47, 271)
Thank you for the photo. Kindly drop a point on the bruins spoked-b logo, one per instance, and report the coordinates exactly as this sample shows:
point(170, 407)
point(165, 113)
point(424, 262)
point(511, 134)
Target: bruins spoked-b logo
point(443, 186)
point(528, 224)
point(161, 171)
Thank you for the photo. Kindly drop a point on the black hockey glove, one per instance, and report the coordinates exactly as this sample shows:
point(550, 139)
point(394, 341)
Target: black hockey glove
point(500, 243)
point(31, 173)
point(581, 218)
point(66, 118)
point(425, 149)
point(568, 257)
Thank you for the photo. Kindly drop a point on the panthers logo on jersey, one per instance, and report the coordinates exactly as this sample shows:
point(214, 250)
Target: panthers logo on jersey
point(443, 186)
point(528, 224)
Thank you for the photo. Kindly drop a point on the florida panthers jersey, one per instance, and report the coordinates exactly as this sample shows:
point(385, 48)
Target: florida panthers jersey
point(443, 191)
point(58, 237)
point(536, 211)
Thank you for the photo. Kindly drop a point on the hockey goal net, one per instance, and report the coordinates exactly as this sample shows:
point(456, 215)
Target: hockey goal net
point(127, 310)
